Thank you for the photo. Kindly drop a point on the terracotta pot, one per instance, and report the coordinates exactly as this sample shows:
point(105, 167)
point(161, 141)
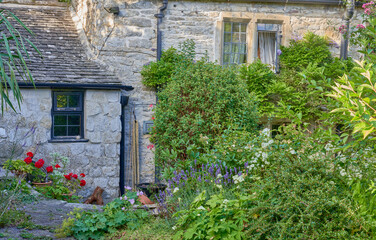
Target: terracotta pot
point(150, 189)
point(45, 184)
point(145, 200)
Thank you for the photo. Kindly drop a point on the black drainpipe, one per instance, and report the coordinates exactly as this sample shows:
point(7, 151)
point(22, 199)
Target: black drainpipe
point(160, 15)
point(350, 5)
point(123, 102)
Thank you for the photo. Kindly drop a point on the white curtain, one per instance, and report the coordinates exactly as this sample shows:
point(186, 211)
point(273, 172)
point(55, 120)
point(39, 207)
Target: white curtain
point(267, 42)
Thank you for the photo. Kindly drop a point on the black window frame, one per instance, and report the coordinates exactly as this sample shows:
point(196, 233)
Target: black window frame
point(76, 111)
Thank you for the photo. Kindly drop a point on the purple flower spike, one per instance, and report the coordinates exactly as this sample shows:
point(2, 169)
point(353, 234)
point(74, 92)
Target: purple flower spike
point(246, 164)
point(239, 174)
point(236, 171)
point(195, 162)
point(199, 178)
point(217, 172)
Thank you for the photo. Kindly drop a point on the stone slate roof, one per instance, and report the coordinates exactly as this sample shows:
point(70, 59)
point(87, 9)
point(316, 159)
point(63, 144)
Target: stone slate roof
point(64, 59)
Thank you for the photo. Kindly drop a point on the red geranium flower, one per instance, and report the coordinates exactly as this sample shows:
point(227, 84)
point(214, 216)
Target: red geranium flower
point(39, 164)
point(28, 160)
point(82, 183)
point(82, 175)
point(74, 176)
point(49, 169)
point(68, 177)
point(41, 160)
point(71, 174)
point(153, 118)
point(57, 166)
point(30, 154)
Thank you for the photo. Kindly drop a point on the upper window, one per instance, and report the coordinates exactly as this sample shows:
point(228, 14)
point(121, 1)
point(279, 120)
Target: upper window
point(234, 43)
point(67, 115)
point(268, 43)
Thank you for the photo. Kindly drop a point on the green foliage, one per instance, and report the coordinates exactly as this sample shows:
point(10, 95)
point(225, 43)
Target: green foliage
point(65, 229)
point(13, 57)
point(216, 218)
point(307, 72)
point(156, 228)
point(56, 192)
point(305, 91)
point(116, 214)
point(18, 166)
point(356, 94)
point(158, 74)
point(312, 49)
point(14, 184)
point(201, 101)
point(297, 186)
point(13, 217)
point(258, 77)
point(363, 35)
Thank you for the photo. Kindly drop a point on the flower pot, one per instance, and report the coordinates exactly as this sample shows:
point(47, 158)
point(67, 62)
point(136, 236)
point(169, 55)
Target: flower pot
point(45, 184)
point(151, 188)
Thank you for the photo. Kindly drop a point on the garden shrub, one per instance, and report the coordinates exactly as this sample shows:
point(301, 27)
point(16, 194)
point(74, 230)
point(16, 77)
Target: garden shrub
point(302, 190)
point(116, 214)
point(301, 87)
point(211, 219)
point(158, 74)
point(258, 77)
point(310, 49)
point(202, 99)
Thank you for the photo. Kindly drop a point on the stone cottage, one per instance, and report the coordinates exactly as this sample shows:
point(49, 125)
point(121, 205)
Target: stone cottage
point(88, 92)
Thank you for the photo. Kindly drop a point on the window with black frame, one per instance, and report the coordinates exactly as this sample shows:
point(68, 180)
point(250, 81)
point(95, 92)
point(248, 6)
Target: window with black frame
point(234, 43)
point(67, 115)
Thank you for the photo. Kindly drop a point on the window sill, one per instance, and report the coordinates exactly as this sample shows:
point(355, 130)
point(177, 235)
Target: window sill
point(67, 140)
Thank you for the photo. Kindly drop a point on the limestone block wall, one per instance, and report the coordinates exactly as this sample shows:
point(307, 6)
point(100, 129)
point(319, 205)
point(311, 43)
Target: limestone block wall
point(124, 43)
point(127, 41)
point(202, 22)
point(98, 158)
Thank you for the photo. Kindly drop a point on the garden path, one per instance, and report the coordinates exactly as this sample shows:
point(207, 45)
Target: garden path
point(47, 214)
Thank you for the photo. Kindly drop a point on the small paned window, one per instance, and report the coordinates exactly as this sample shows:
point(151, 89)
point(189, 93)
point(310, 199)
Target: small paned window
point(268, 41)
point(67, 115)
point(234, 43)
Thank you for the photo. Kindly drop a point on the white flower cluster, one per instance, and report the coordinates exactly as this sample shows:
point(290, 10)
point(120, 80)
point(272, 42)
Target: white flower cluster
point(238, 179)
point(266, 132)
point(329, 147)
point(201, 208)
point(266, 144)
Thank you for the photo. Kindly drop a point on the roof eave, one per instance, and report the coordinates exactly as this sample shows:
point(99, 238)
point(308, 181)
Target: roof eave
point(97, 86)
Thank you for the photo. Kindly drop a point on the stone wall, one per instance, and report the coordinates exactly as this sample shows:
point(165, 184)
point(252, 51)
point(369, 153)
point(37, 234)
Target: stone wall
point(127, 41)
point(98, 158)
point(124, 43)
